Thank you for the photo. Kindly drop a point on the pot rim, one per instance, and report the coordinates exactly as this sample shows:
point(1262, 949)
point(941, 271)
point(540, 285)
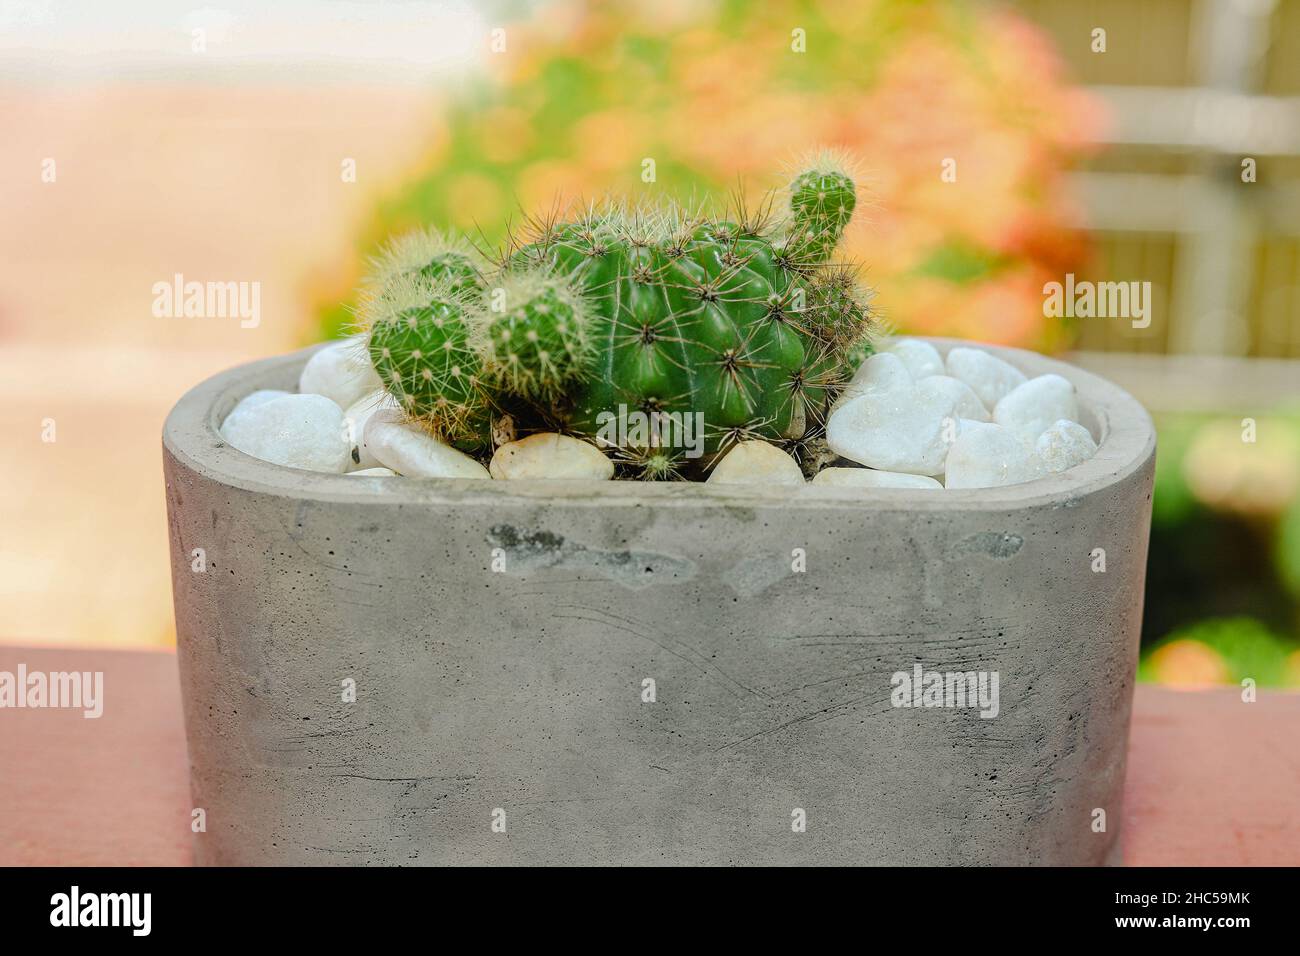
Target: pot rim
point(1124, 430)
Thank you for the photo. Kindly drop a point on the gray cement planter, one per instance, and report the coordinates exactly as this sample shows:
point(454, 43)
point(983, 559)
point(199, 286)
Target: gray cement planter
point(485, 695)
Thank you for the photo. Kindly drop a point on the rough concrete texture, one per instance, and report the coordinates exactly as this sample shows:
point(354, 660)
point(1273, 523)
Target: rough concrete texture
point(517, 694)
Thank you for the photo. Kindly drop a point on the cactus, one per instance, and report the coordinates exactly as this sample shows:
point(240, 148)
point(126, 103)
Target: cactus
point(730, 317)
point(431, 254)
point(536, 340)
point(742, 319)
point(822, 200)
point(419, 333)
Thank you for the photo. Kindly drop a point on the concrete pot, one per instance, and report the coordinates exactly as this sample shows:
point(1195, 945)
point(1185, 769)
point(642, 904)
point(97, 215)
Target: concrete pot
point(501, 637)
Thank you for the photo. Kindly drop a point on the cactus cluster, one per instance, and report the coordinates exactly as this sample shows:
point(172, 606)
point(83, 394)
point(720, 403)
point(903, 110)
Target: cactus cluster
point(742, 321)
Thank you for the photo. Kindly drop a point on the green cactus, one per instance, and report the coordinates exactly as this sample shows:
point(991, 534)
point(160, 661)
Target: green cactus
point(742, 319)
point(431, 254)
point(418, 335)
point(536, 340)
point(734, 318)
point(840, 313)
point(652, 463)
point(822, 199)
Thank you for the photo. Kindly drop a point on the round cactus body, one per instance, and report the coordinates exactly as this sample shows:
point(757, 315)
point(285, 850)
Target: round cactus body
point(420, 343)
point(840, 311)
point(536, 340)
point(710, 321)
point(822, 200)
point(428, 254)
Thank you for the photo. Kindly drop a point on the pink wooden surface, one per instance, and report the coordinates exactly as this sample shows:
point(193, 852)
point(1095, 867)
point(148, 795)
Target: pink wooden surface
point(1212, 780)
point(111, 791)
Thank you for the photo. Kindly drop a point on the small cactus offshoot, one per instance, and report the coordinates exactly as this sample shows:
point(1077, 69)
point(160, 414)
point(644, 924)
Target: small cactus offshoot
point(744, 319)
point(822, 199)
point(419, 332)
point(432, 255)
point(536, 341)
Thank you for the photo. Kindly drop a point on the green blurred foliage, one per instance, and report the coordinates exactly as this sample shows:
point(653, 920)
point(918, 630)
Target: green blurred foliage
point(1246, 646)
point(1219, 572)
point(1173, 502)
point(1288, 549)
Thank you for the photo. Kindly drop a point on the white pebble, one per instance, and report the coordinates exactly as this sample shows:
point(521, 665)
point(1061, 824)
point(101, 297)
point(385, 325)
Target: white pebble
point(921, 358)
point(1063, 445)
point(756, 463)
point(374, 473)
point(986, 456)
point(906, 428)
point(880, 372)
point(300, 431)
point(987, 375)
point(340, 371)
point(415, 453)
point(260, 397)
point(356, 415)
point(550, 455)
point(1029, 408)
point(871, 478)
point(965, 403)
point(884, 370)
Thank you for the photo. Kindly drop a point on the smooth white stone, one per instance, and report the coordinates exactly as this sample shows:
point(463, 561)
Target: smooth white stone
point(1029, 408)
point(921, 358)
point(410, 451)
point(965, 403)
point(340, 371)
point(374, 472)
point(871, 478)
point(550, 455)
point(356, 416)
point(756, 463)
point(300, 431)
point(963, 424)
point(905, 429)
point(986, 456)
point(260, 397)
point(1064, 444)
point(988, 376)
point(883, 371)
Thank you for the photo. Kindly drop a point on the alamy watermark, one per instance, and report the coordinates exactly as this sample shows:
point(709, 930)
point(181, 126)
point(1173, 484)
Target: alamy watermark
point(638, 429)
point(82, 690)
point(179, 299)
point(1099, 300)
point(75, 908)
point(957, 689)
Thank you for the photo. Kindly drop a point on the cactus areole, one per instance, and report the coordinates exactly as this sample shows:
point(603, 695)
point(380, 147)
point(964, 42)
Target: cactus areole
point(741, 325)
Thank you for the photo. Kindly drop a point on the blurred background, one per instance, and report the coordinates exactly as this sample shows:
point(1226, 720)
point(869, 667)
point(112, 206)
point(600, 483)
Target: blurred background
point(278, 144)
